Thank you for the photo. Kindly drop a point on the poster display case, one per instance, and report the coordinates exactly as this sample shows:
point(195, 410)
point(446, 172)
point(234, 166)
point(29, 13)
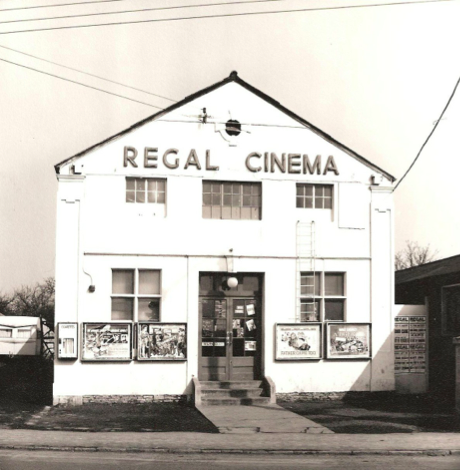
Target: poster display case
point(67, 340)
point(296, 341)
point(161, 341)
point(104, 342)
point(348, 341)
point(410, 344)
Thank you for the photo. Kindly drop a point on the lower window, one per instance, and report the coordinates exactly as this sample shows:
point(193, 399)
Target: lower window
point(322, 296)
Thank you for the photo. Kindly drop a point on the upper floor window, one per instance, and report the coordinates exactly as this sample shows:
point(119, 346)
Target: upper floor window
point(314, 196)
point(230, 200)
point(146, 190)
point(136, 294)
point(322, 296)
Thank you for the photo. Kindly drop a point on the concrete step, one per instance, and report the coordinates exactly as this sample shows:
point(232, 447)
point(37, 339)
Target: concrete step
point(231, 393)
point(231, 384)
point(235, 401)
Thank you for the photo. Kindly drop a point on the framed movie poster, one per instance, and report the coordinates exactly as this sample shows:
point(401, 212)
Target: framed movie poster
point(107, 342)
point(296, 341)
point(348, 341)
point(67, 340)
point(161, 341)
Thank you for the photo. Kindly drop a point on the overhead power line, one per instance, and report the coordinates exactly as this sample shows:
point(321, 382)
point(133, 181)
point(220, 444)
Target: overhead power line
point(61, 5)
point(87, 73)
point(142, 10)
point(78, 83)
point(429, 135)
point(225, 15)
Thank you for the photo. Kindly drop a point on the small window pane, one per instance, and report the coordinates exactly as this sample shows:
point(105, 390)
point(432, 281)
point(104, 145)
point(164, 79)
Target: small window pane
point(236, 200)
point(149, 282)
point(123, 281)
point(140, 196)
point(216, 188)
point(246, 213)
point(334, 309)
point(328, 191)
point(308, 202)
point(140, 184)
point(206, 212)
point(309, 190)
point(161, 185)
point(256, 189)
point(6, 333)
point(227, 188)
point(207, 187)
point(161, 198)
point(151, 185)
point(227, 200)
point(300, 202)
point(328, 203)
point(247, 201)
point(122, 309)
point(333, 284)
point(216, 199)
point(149, 309)
point(130, 196)
point(130, 184)
point(309, 310)
point(236, 188)
point(24, 333)
point(300, 190)
point(151, 197)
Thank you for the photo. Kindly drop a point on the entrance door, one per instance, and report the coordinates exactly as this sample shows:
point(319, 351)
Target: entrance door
point(230, 336)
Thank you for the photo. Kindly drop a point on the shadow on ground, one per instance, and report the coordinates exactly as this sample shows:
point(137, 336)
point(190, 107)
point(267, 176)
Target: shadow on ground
point(380, 415)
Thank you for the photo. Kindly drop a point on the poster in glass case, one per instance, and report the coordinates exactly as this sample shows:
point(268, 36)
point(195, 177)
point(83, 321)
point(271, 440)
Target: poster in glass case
point(67, 336)
point(296, 341)
point(348, 341)
point(161, 341)
point(107, 342)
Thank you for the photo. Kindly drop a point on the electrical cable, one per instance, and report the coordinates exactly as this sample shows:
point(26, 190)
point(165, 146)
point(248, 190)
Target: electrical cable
point(78, 83)
point(223, 15)
point(141, 10)
point(86, 73)
point(61, 5)
point(429, 135)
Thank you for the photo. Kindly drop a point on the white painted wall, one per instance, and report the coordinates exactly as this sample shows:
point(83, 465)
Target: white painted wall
point(98, 231)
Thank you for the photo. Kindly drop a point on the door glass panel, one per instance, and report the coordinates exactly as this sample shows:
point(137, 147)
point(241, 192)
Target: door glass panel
point(213, 327)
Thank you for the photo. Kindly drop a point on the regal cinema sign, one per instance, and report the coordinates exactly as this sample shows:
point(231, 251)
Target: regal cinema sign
point(268, 162)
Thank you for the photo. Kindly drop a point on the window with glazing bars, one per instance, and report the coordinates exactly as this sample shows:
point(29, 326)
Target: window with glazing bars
point(146, 190)
point(314, 196)
point(136, 294)
point(322, 296)
point(230, 200)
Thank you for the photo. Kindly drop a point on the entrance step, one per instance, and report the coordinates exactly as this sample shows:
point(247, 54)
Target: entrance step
point(231, 384)
point(205, 401)
point(232, 393)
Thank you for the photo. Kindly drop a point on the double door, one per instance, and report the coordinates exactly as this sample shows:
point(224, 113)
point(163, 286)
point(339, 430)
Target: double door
point(230, 338)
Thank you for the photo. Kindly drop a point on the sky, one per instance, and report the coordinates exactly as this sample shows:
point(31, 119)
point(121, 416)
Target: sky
point(375, 78)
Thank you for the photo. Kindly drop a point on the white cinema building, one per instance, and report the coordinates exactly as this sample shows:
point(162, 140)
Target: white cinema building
point(224, 238)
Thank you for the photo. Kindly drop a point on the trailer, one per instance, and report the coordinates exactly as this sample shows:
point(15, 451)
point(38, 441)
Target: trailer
point(20, 336)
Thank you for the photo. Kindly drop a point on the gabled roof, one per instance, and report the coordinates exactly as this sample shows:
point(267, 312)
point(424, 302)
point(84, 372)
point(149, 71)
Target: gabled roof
point(435, 268)
point(233, 77)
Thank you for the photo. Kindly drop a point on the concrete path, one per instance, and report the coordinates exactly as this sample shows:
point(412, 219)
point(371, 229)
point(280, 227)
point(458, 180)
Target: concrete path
point(259, 418)
point(258, 443)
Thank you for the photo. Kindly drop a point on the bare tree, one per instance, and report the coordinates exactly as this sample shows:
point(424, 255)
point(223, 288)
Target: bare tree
point(414, 255)
point(34, 301)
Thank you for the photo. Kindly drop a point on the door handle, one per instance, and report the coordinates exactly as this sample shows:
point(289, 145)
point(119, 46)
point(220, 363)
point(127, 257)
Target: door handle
point(229, 338)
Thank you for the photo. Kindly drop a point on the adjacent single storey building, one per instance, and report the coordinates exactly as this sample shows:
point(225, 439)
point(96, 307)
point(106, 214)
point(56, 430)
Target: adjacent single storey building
point(224, 238)
point(436, 285)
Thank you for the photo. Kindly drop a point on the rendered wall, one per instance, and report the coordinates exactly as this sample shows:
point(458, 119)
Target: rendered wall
point(97, 231)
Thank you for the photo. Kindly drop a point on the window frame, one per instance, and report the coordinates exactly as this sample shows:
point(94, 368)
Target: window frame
point(136, 296)
point(222, 194)
point(146, 191)
point(321, 298)
point(314, 196)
